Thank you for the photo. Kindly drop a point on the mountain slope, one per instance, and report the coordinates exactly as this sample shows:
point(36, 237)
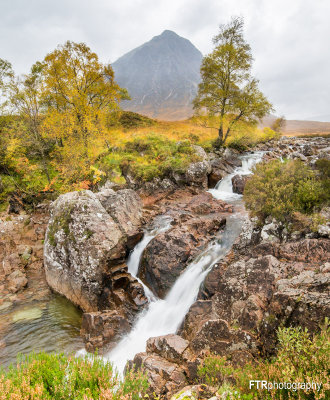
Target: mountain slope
point(161, 76)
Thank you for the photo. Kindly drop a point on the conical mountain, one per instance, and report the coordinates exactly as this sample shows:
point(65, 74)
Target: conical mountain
point(161, 76)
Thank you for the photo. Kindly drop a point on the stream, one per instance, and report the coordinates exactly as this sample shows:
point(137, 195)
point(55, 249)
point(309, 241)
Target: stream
point(163, 317)
point(53, 324)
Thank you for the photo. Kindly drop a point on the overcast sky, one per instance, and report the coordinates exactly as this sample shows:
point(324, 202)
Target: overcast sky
point(290, 39)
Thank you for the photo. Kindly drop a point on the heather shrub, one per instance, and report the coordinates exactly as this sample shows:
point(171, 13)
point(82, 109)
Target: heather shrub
point(279, 189)
point(55, 376)
point(300, 358)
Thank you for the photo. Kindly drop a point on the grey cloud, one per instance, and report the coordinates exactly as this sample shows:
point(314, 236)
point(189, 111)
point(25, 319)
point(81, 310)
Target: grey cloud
point(289, 39)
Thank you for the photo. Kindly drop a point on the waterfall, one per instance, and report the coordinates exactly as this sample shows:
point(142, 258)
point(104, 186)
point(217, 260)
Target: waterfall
point(165, 316)
point(224, 188)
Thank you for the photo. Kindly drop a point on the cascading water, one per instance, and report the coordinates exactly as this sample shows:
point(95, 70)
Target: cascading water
point(224, 188)
point(165, 316)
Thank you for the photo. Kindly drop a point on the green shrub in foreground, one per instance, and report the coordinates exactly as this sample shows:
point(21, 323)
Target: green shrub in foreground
point(279, 189)
point(300, 358)
point(55, 376)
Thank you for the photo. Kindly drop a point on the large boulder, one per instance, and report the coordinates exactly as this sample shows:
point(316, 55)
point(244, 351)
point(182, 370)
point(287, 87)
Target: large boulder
point(125, 208)
point(86, 235)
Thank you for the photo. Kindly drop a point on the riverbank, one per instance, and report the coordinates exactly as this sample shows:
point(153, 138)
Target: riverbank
point(174, 263)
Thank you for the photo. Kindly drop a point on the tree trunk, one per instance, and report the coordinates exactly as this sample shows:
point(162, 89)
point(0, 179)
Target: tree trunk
point(219, 141)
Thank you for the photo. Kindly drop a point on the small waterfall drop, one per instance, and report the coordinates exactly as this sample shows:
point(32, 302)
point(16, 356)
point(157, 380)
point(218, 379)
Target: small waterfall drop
point(224, 188)
point(160, 224)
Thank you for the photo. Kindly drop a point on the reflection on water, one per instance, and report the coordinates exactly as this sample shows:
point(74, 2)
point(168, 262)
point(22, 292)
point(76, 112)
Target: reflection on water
point(51, 326)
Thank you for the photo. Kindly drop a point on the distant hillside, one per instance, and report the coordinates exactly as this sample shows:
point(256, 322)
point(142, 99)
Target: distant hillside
point(161, 76)
point(299, 126)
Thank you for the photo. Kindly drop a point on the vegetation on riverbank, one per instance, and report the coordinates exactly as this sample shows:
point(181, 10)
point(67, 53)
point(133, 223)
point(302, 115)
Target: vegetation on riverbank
point(58, 377)
point(288, 190)
point(132, 144)
point(300, 359)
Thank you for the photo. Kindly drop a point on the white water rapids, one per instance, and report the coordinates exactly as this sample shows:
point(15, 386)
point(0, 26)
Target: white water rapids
point(224, 188)
point(165, 316)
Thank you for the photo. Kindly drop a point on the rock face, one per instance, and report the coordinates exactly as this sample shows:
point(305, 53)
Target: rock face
point(196, 173)
point(121, 299)
point(168, 254)
point(21, 256)
point(84, 239)
point(257, 288)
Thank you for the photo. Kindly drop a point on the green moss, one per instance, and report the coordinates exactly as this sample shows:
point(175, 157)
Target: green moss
point(61, 222)
point(88, 233)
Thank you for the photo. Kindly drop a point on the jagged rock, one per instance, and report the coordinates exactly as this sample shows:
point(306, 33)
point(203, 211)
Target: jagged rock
point(122, 299)
point(170, 347)
point(271, 231)
point(168, 254)
point(83, 241)
point(99, 329)
point(239, 182)
point(164, 377)
point(299, 301)
point(199, 313)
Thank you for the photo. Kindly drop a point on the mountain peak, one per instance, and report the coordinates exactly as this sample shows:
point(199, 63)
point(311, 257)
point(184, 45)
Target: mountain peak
point(161, 76)
point(169, 33)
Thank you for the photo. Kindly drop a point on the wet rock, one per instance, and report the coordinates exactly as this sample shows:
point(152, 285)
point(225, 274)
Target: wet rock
point(167, 255)
point(103, 329)
point(199, 313)
point(197, 172)
point(122, 298)
point(220, 167)
point(238, 182)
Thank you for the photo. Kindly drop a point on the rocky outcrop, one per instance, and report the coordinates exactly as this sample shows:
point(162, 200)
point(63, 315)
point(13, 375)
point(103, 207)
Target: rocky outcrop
point(86, 235)
point(21, 256)
point(121, 300)
point(222, 165)
point(168, 254)
point(197, 172)
point(238, 182)
point(163, 362)
point(258, 287)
